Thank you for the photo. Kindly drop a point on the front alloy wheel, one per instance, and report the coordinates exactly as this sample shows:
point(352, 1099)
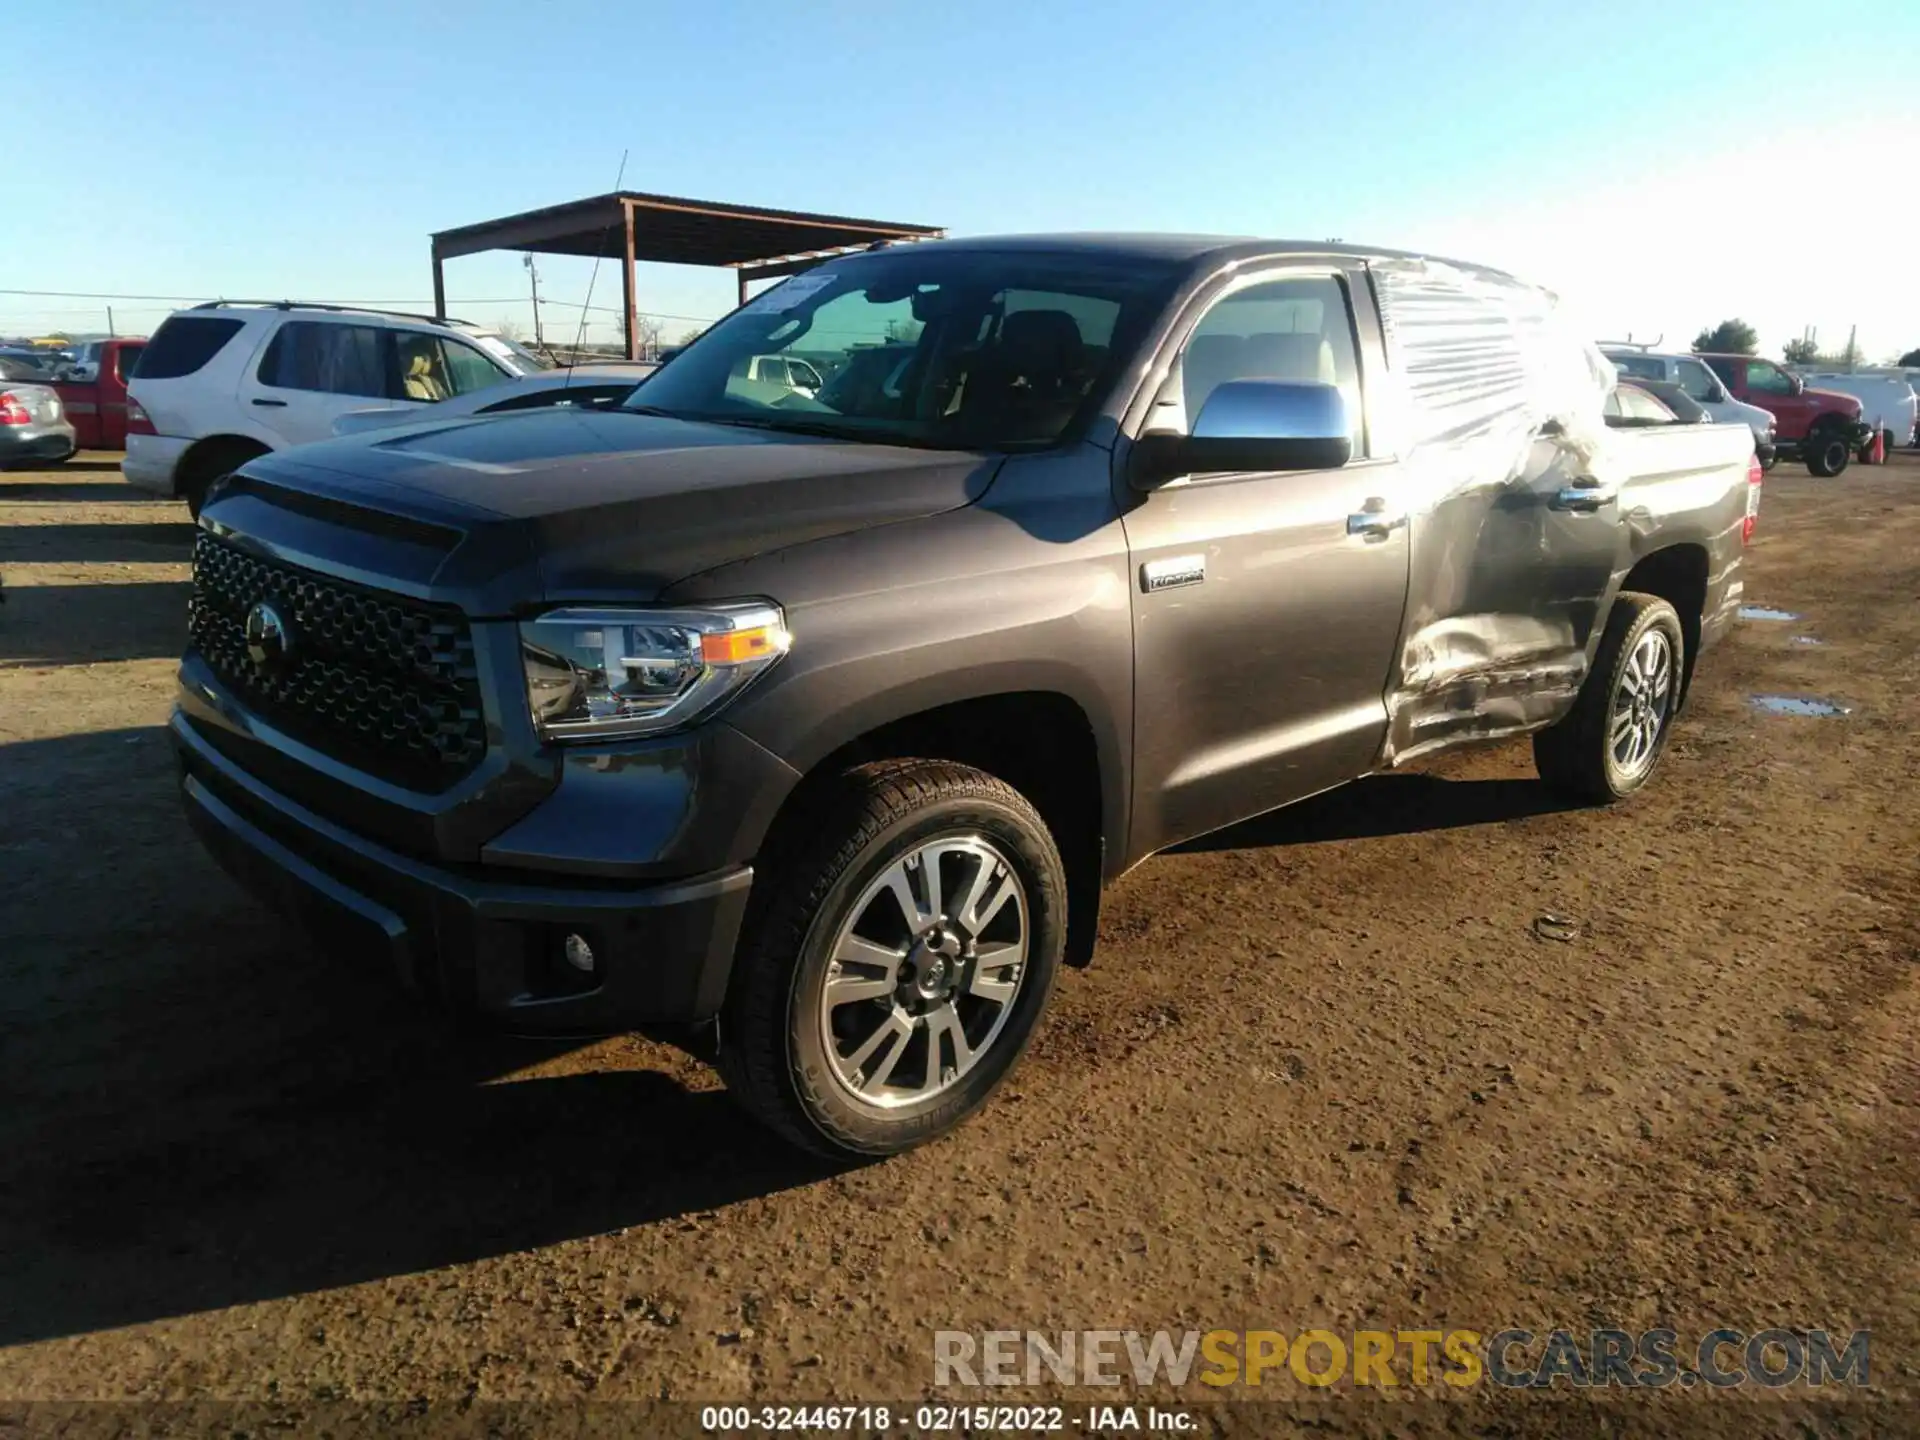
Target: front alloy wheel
point(924, 972)
point(900, 950)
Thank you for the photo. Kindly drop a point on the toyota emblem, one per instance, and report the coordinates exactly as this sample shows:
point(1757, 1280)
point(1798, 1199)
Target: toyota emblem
point(268, 639)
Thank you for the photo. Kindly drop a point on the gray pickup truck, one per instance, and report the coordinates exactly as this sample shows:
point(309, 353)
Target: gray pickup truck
point(823, 719)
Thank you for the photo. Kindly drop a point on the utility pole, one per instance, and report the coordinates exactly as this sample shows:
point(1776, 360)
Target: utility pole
point(112, 334)
point(533, 278)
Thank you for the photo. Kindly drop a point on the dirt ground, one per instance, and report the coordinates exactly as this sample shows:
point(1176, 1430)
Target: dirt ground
point(1324, 1071)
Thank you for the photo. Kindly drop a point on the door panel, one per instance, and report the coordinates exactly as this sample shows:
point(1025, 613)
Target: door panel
point(1261, 666)
point(312, 371)
point(1267, 607)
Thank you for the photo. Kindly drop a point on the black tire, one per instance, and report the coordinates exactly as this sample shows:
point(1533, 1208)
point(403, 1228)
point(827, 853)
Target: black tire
point(1766, 466)
point(785, 1058)
point(200, 468)
point(1579, 756)
point(1827, 453)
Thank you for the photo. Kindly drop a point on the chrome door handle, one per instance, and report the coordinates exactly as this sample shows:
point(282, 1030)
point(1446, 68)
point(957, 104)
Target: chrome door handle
point(1582, 499)
point(1372, 521)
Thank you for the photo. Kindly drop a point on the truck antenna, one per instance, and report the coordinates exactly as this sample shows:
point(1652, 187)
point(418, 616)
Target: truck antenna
point(579, 335)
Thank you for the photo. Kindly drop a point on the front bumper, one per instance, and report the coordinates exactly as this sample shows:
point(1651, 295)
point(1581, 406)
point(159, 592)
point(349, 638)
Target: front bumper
point(478, 942)
point(43, 440)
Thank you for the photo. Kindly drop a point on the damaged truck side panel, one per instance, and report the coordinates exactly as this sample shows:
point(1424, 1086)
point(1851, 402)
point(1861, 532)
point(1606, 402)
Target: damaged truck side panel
point(1527, 514)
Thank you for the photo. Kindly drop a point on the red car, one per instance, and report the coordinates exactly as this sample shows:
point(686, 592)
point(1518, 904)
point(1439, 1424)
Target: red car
point(96, 401)
point(1822, 427)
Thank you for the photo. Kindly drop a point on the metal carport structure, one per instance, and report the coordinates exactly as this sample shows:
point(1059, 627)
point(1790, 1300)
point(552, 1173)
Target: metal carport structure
point(756, 243)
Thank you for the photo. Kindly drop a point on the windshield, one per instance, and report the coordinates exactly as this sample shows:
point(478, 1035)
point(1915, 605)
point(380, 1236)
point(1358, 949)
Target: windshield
point(517, 358)
point(950, 350)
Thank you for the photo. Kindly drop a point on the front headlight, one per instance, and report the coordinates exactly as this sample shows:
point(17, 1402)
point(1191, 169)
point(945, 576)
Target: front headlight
point(602, 674)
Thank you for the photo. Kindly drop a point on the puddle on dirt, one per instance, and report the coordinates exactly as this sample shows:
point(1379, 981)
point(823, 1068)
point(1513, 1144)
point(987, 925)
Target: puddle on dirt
point(1799, 705)
point(1766, 612)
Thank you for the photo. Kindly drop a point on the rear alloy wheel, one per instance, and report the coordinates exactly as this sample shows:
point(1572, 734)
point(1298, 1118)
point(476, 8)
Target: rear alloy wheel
point(899, 954)
point(1607, 747)
point(1828, 454)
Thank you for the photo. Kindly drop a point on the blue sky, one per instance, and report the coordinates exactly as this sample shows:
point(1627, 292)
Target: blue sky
point(1660, 164)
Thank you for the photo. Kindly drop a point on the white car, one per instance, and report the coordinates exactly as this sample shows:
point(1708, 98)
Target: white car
point(1702, 386)
point(226, 381)
point(584, 387)
point(1884, 395)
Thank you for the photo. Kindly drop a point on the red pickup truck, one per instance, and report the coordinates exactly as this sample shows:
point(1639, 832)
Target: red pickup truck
point(1821, 427)
point(94, 392)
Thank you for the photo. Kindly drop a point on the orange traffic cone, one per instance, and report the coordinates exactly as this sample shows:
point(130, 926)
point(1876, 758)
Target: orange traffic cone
point(1877, 452)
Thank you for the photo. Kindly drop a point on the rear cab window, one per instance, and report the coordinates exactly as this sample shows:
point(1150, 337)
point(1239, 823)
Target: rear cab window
point(184, 344)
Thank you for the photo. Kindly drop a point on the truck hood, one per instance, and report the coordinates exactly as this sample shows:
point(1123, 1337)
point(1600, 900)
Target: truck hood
point(502, 514)
point(1834, 400)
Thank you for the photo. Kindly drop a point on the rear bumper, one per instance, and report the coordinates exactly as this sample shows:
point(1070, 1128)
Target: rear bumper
point(43, 441)
point(478, 943)
point(152, 460)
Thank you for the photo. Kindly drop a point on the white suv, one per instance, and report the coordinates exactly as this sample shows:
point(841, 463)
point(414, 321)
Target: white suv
point(223, 382)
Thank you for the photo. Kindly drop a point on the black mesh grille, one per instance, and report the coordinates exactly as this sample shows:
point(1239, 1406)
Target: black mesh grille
point(384, 683)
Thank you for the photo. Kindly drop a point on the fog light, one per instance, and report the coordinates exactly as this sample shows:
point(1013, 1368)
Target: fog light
point(579, 954)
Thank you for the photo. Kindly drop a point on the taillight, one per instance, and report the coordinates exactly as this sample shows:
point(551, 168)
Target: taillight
point(1755, 475)
point(13, 410)
point(137, 421)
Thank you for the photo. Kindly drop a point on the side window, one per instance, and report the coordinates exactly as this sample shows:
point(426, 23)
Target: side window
point(1727, 370)
point(129, 357)
point(183, 344)
point(1296, 329)
point(1695, 379)
point(468, 369)
point(1611, 410)
point(1767, 378)
point(1639, 367)
point(332, 359)
point(421, 366)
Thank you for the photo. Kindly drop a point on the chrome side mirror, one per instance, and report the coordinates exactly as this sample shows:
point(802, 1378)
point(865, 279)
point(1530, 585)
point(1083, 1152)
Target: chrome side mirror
point(1249, 426)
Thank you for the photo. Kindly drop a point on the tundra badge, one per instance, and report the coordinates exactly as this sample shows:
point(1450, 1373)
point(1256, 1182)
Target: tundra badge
point(1173, 572)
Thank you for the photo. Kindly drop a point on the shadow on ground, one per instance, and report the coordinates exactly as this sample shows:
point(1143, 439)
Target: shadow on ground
point(1404, 804)
point(79, 492)
point(42, 625)
point(204, 1111)
point(90, 543)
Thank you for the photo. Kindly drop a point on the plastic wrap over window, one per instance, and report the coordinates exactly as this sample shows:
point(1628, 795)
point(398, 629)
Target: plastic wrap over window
point(1482, 357)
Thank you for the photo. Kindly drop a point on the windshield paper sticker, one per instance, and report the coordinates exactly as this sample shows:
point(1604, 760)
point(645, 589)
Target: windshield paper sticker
point(786, 295)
